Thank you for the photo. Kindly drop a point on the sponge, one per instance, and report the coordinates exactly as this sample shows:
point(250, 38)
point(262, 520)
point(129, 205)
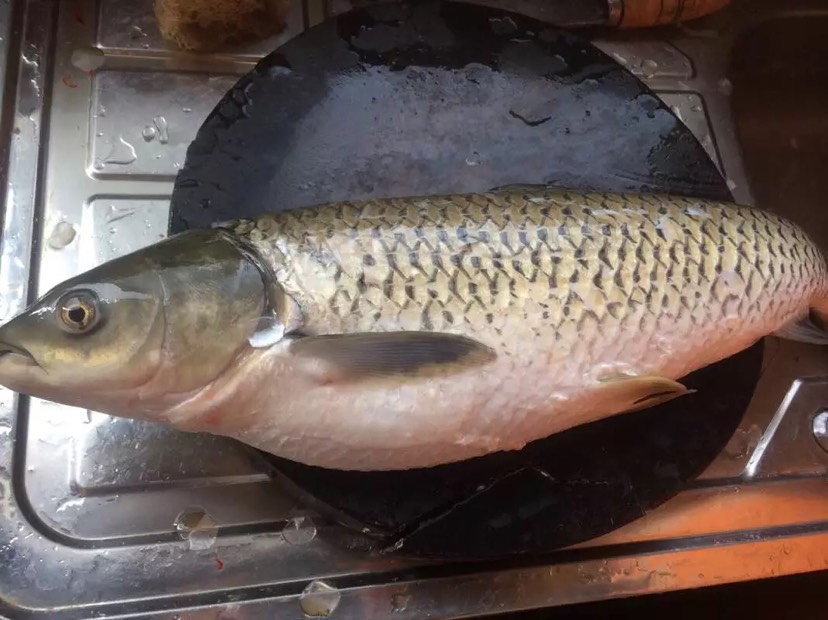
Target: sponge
point(209, 25)
point(646, 13)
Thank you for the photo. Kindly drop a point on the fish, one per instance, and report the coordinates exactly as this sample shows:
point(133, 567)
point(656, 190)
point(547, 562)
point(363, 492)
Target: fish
point(411, 332)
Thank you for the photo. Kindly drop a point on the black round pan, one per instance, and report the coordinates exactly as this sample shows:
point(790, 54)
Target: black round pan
point(423, 98)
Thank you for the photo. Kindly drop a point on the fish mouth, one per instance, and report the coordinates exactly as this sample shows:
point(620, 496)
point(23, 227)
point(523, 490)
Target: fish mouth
point(9, 350)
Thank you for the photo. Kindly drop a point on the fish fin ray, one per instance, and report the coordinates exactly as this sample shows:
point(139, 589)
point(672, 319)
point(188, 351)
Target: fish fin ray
point(643, 392)
point(362, 356)
point(802, 329)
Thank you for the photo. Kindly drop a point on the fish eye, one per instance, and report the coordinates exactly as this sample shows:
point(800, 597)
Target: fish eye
point(78, 312)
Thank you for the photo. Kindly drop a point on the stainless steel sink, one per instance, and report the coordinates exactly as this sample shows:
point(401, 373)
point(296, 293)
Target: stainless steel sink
point(100, 516)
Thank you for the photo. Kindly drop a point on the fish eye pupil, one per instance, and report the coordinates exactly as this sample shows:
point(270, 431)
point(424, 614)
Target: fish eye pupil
point(77, 314)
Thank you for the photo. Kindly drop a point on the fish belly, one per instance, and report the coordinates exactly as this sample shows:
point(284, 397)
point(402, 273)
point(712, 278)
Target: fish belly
point(515, 400)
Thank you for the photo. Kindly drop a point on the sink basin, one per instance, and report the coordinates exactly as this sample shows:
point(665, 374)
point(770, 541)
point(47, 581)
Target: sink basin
point(780, 100)
point(105, 517)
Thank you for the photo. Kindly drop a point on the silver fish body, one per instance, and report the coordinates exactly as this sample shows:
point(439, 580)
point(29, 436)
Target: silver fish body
point(591, 303)
point(418, 331)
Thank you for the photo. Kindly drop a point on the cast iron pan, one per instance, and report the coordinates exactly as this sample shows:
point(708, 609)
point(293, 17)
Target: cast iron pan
point(422, 98)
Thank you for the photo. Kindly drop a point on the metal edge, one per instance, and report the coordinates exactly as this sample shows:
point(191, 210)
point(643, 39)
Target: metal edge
point(520, 589)
point(27, 75)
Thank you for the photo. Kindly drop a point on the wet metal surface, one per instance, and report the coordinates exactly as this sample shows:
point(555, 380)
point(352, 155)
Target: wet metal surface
point(88, 522)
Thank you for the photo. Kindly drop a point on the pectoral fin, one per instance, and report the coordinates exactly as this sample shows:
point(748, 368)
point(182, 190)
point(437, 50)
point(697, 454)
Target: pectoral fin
point(635, 393)
point(352, 357)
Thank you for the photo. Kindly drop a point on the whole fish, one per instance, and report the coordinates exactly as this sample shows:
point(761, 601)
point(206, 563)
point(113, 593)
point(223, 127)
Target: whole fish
point(410, 332)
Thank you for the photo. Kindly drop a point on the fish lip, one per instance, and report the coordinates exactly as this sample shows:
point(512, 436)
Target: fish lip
point(7, 349)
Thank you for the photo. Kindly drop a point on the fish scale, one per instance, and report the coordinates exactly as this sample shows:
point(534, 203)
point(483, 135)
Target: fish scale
point(456, 261)
point(584, 284)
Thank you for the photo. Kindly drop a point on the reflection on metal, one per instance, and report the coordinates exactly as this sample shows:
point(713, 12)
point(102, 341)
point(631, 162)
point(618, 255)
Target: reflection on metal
point(88, 504)
point(820, 428)
point(770, 432)
point(787, 446)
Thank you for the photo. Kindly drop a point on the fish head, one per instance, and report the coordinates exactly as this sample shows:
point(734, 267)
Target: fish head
point(139, 332)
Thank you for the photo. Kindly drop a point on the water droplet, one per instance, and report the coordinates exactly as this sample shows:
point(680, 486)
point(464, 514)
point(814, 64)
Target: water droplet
point(35, 85)
point(820, 428)
point(299, 531)
point(725, 86)
point(101, 111)
point(278, 71)
point(122, 153)
point(503, 25)
point(196, 527)
point(318, 599)
point(186, 110)
point(88, 58)
point(70, 503)
point(148, 133)
point(118, 213)
point(62, 235)
point(649, 67)
point(743, 442)
point(136, 32)
point(161, 126)
point(731, 184)
point(620, 58)
point(268, 332)
point(473, 159)
point(399, 602)
point(696, 108)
